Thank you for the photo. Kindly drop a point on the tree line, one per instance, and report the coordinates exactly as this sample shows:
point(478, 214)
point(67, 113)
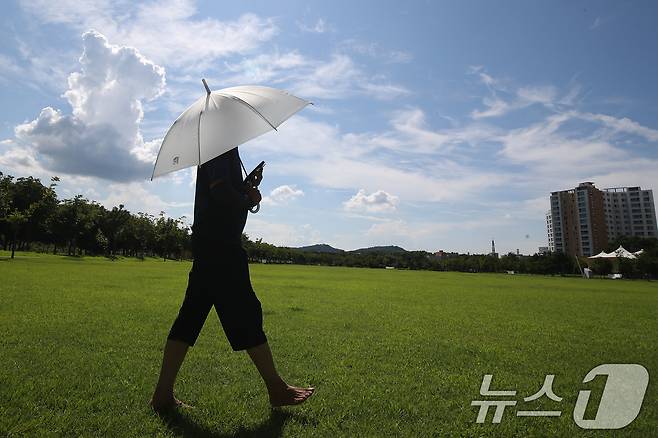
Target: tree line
point(33, 218)
point(646, 266)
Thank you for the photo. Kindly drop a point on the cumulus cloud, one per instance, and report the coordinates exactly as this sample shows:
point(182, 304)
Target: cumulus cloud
point(379, 201)
point(19, 160)
point(282, 195)
point(101, 137)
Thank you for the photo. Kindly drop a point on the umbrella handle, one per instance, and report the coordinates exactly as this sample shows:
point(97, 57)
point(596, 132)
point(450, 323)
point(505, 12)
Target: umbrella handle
point(255, 208)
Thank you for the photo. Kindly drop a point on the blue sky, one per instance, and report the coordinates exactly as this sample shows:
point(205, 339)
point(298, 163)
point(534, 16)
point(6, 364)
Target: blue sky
point(436, 125)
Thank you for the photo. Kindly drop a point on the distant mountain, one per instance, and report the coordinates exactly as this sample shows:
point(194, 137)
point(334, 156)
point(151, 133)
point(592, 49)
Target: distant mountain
point(389, 249)
point(321, 247)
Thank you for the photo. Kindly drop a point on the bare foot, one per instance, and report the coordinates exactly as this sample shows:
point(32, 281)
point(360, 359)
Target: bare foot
point(168, 404)
point(285, 395)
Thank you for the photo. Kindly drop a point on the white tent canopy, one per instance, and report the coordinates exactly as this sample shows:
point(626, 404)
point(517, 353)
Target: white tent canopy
point(620, 252)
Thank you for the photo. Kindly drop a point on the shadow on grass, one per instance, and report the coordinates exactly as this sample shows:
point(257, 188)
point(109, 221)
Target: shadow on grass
point(181, 425)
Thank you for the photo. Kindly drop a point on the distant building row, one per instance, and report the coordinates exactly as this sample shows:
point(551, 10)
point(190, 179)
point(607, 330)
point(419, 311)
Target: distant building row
point(583, 220)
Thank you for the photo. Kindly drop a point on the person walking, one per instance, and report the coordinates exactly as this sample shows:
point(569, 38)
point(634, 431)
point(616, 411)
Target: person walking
point(220, 277)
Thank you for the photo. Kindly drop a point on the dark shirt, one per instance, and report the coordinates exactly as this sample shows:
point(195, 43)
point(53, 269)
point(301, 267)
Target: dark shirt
point(220, 205)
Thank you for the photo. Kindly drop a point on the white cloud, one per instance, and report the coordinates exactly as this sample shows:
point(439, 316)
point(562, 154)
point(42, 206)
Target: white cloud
point(8, 67)
point(561, 147)
point(536, 94)
point(64, 144)
point(46, 69)
point(412, 133)
point(112, 83)
point(101, 137)
point(554, 155)
point(268, 67)
point(496, 106)
point(336, 78)
point(332, 79)
point(19, 161)
point(282, 234)
point(620, 125)
point(282, 195)
point(147, 151)
point(484, 77)
point(327, 157)
point(168, 32)
point(418, 234)
point(136, 197)
point(525, 96)
point(371, 161)
point(379, 201)
point(598, 22)
point(320, 26)
point(394, 228)
point(375, 51)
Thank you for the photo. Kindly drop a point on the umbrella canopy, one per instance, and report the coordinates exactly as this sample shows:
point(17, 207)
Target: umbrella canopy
point(220, 121)
point(602, 254)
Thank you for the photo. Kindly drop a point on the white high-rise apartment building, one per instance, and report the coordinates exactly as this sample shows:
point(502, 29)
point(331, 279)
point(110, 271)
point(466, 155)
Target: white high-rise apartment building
point(629, 211)
point(549, 228)
point(583, 220)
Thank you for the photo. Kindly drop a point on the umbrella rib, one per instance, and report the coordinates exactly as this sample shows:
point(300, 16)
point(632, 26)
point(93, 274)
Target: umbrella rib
point(160, 151)
point(249, 106)
point(198, 136)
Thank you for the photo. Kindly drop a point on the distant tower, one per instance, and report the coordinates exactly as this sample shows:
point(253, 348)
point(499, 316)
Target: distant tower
point(493, 249)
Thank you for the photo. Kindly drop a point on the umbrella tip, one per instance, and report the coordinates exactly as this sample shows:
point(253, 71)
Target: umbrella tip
point(205, 84)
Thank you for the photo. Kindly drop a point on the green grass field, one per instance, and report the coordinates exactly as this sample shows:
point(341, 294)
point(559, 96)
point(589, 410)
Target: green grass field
point(391, 353)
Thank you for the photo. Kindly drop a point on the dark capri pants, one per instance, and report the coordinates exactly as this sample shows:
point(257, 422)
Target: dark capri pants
point(221, 280)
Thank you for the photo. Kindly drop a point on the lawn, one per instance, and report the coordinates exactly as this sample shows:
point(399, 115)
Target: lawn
point(391, 352)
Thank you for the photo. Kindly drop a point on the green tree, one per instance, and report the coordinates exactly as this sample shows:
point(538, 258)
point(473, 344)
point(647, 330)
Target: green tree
point(26, 206)
point(602, 266)
point(114, 224)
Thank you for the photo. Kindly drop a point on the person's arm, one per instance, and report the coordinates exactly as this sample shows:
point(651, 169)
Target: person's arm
point(221, 188)
point(223, 193)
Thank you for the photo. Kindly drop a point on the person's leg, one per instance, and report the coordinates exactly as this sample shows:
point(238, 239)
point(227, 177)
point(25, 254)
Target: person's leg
point(174, 354)
point(281, 394)
point(241, 316)
point(183, 334)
